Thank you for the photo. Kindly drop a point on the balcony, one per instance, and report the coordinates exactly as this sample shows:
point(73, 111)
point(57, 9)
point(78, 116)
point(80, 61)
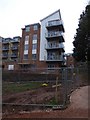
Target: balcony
point(15, 41)
point(55, 58)
point(4, 55)
point(53, 34)
point(14, 55)
point(54, 23)
point(5, 48)
point(51, 46)
point(5, 42)
point(14, 48)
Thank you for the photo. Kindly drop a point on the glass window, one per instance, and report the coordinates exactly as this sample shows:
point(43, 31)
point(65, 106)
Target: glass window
point(25, 52)
point(33, 56)
point(27, 38)
point(10, 67)
point(34, 42)
point(35, 27)
point(26, 47)
point(26, 56)
point(27, 29)
point(34, 46)
point(35, 37)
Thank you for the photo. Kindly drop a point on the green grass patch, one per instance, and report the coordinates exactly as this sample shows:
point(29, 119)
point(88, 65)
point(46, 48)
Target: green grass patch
point(8, 87)
point(53, 102)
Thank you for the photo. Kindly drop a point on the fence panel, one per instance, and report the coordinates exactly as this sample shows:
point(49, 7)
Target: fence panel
point(42, 87)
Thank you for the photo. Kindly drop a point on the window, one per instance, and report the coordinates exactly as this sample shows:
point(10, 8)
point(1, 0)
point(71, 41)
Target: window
point(26, 56)
point(34, 41)
point(33, 56)
point(26, 47)
point(35, 37)
point(27, 28)
point(25, 52)
point(10, 67)
point(34, 46)
point(35, 27)
point(51, 66)
point(26, 39)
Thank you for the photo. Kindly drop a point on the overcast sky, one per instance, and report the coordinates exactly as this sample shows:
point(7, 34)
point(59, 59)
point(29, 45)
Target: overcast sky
point(15, 14)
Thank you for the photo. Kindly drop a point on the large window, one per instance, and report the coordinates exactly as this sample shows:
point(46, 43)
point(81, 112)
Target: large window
point(27, 28)
point(34, 56)
point(34, 46)
point(35, 27)
point(10, 67)
point(25, 56)
point(35, 37)
point(26, 47)
point(27, 39)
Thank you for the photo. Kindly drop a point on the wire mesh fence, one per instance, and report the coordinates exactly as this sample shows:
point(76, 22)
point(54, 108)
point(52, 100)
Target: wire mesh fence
point(41, 87)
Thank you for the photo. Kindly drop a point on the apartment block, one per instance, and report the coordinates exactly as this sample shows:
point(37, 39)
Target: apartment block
point(52, 38)
point(10, 52)
point(30, 47)
point(41, 45)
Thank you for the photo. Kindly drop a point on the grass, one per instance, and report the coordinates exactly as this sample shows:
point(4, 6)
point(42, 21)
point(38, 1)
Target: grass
point(8, 87)
point(53, 102)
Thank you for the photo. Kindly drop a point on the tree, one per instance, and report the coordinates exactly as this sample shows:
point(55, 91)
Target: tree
point(81, 51)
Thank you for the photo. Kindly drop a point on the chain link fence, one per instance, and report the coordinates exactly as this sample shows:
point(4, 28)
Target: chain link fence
point(54, 87)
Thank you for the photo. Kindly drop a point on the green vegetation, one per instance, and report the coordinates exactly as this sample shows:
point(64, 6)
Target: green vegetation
point(82, 38)
point(19, 87)
point(53, 102)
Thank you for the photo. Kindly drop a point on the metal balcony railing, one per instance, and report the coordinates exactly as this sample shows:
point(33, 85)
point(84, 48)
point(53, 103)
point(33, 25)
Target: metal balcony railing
point(5, 48)
point(14, 55)
point(14, 47)
point(5, 42)
point(4, 55)
point(15, 40)
point(53, 34)
point(54, 23)
point(55, 58)
point(54, 46)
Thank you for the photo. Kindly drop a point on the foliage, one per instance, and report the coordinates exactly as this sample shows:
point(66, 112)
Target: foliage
point(82, 38)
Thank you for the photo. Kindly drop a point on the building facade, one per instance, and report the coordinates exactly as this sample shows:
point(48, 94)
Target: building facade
point(41, 45)
point(10, 53)
point(30, 47)
point(70, 62)
point(52, 38)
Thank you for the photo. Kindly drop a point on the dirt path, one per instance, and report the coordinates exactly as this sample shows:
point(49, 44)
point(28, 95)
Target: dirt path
point(77, 109)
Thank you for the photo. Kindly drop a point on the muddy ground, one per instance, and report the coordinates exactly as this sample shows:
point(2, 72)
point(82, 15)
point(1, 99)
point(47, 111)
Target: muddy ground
point(78, 107)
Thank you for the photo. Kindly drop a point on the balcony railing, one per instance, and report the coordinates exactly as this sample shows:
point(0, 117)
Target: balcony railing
point(15, 40)
point(53, 34)
point(54, 23)
point(55, 58)
point(55, 46)
point(14, 47)
point(4, 55)
point(5, 48)
point(5, 42)
point(14, 55)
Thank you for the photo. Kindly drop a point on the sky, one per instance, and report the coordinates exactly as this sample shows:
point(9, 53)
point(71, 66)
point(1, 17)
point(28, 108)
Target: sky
point(15, 14)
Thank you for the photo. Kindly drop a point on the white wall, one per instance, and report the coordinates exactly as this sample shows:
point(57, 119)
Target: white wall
point(43, 41)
